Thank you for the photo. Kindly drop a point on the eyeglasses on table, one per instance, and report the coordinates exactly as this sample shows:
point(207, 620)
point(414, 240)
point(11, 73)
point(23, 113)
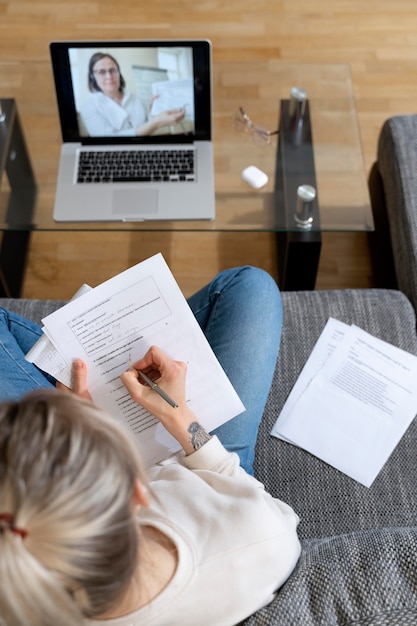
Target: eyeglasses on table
point(243, 123)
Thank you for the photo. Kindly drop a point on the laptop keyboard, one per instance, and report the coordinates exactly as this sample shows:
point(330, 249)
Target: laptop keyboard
point(132, 166)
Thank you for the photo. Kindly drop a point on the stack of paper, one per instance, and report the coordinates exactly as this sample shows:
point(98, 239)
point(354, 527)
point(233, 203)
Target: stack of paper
point(117, 322)
point(352, 402)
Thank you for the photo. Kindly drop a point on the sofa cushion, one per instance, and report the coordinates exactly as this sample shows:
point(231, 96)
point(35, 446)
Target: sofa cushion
point(327, 501)
point(366, 578)
point(358, 563)
point(34, 310)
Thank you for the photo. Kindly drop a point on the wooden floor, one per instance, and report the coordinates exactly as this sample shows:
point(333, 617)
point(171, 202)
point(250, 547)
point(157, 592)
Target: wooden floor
point(377, 38)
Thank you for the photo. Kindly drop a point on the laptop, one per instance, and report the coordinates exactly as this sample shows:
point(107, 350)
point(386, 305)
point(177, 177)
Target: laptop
point(136, 123)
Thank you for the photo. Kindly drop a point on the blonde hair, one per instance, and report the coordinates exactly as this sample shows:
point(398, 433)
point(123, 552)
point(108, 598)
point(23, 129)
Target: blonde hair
point(67, 475)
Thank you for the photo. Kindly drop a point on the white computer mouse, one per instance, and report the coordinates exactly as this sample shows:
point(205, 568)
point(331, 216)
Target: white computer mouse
point(255, 177)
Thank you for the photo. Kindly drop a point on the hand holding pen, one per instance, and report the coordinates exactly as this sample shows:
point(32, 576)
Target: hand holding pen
point(153, 385)
point(170, 377)
point(156, 380)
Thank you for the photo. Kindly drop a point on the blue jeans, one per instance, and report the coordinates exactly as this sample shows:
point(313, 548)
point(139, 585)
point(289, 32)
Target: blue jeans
point(239, 312)
point(17, 376)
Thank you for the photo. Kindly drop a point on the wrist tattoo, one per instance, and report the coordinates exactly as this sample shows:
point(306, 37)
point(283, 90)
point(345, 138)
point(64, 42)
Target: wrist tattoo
point(198, 436)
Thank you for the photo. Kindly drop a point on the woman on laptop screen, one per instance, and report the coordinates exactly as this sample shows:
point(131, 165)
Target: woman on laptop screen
point(112, 110)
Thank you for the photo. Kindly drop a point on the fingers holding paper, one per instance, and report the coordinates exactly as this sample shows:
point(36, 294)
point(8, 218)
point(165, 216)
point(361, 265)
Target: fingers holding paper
point(79, 380)
point(171, 117)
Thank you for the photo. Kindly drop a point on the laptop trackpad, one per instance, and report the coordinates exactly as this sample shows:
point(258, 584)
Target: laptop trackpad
point(135, 203)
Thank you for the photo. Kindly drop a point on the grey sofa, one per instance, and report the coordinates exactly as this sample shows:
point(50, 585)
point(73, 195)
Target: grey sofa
point(359, 559)
point(358, 564)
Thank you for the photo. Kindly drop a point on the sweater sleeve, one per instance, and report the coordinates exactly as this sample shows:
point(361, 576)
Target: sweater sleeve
point(221, 472)
point(213, 456)
point(235, 529)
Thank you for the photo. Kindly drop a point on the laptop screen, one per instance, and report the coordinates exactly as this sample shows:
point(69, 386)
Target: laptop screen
point(133, 91)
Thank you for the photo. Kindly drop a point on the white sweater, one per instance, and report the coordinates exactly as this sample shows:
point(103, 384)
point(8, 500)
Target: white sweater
point(103, 117)
point(236, 544)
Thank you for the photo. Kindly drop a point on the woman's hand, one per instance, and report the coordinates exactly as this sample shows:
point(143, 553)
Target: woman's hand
point(165, 118)
point(79, 380)
point(169, 118)
point(170, 375)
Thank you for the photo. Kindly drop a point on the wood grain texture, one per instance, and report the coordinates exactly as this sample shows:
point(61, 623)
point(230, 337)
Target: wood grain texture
point(377, 39)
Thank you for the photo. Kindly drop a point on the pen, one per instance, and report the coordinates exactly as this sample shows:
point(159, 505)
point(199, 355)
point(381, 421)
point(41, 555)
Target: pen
point(155, 387)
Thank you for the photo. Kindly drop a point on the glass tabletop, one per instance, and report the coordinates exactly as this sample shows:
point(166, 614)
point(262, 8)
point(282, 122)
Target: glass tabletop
point(259, 88)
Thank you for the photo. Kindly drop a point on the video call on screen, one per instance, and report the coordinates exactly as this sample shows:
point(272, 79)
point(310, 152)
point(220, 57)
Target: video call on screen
point(165, 72)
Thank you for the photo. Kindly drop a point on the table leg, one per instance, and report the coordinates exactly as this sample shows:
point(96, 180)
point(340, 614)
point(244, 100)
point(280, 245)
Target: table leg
point(298, 249)
point(14, 159)
point(298, 260)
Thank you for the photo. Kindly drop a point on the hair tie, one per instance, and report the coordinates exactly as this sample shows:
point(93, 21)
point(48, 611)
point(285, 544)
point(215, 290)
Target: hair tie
point(7, 522)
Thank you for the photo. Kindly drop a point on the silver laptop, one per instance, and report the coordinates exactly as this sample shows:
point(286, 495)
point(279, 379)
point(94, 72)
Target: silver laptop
point(136, 126)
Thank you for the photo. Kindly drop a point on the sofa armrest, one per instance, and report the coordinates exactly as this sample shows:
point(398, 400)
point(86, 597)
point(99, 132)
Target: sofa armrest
point(397, 166)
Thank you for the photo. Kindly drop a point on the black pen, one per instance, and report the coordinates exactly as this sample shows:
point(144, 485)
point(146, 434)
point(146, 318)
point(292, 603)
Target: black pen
point(153, 385)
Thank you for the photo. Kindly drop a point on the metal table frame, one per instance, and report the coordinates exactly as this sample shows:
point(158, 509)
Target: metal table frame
point(20, 200)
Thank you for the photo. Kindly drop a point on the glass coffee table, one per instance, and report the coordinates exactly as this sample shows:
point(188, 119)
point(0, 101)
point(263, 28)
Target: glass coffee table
point(318, 147)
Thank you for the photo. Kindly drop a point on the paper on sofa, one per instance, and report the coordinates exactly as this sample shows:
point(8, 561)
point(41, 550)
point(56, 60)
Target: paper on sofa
point(353, 401)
